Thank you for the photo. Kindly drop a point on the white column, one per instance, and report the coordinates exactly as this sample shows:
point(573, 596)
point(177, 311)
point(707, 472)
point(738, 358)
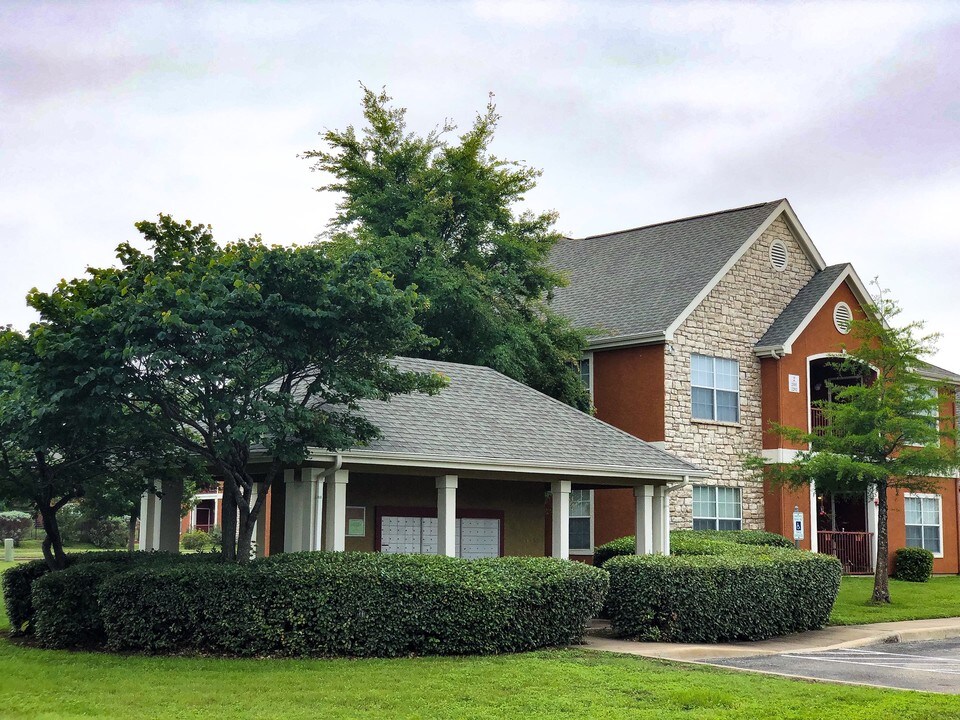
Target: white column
point(293, 515)
point(814, 540)
point(149, 521)
point(560, 493)
point(644, 497)
point(168, 521)
point(447, 515)
point(661, 520)
point(336, 516)
point(872, 521)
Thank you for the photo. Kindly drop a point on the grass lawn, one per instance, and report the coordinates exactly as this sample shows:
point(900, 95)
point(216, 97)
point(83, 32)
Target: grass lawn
point(568, 683)
point(30, 549)
point(939, 597)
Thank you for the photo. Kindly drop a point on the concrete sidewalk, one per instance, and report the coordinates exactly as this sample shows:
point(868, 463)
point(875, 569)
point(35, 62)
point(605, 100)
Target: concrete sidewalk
point(830, 638)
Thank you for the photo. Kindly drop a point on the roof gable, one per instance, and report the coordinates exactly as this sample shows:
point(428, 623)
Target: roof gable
point(639, 285)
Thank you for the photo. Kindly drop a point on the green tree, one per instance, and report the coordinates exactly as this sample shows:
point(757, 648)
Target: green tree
point(58, 445)
point(441, 217)
point(237, 354)
point(886, 433)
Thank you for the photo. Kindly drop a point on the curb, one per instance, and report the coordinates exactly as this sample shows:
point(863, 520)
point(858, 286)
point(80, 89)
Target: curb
point(945, 632)
point(705, 654)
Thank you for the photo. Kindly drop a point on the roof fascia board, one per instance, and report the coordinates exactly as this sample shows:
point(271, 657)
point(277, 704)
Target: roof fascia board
point(933, 377)
point(647, 338)
point(805, 242)
point(361, 457)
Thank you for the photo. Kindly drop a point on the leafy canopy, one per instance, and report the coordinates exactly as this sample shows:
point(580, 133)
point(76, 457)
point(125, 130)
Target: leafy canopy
point(227, 351)
point(59, 444)
point(441, 217)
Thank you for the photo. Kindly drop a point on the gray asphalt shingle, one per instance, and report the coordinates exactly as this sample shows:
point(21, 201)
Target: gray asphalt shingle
point(639, 281)
point(791, 317)
point(485, 416)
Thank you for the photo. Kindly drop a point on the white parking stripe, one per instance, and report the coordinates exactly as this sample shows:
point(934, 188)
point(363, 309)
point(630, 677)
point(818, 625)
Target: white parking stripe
point(860, 651)
point(876, 663)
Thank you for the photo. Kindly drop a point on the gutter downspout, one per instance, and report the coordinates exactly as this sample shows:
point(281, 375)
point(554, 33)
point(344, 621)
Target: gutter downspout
point(667, 490)
point(318, 500)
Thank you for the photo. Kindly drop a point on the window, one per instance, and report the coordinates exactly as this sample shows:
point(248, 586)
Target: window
point(923, 522)
point(716, 508)
point(586, 374)
point(715, 388)
point(581, 520)
point(931, 415)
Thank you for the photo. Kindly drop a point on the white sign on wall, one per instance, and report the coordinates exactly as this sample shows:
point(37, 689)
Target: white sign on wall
point(794, 383)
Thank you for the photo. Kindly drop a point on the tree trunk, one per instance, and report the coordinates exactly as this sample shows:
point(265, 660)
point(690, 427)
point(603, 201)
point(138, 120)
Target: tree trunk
point(52, 542)
point(132, 527)
point(228, 522)
point(881, 584)
point(245, 533)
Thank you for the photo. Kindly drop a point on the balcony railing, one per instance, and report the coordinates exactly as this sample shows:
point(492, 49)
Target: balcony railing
point(818, 421)
point(854, 549)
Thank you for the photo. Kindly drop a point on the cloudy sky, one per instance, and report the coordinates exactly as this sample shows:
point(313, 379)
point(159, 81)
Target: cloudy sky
point(637, 113)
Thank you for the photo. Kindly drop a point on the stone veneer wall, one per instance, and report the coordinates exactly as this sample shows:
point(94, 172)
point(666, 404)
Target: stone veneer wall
point(728, 323)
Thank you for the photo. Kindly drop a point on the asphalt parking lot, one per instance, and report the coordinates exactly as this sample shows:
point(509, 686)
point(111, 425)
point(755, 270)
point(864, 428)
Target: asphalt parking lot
point(931, 665)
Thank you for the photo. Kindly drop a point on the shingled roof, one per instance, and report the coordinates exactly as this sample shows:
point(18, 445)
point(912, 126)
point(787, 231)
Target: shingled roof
point(938, 373)
point(638, 282)
point(485, 417)
point(792, 317)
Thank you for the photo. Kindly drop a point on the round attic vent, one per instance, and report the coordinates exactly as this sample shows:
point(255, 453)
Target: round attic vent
point(779, 257)
point(842, 315)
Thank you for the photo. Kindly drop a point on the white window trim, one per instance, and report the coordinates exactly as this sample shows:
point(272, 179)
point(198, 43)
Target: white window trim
point(714, 420)
point(589, 550)
point(716, 519)
point(939, 515)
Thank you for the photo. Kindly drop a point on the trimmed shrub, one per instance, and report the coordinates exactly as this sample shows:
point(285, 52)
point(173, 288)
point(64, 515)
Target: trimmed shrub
point(66, 604)
point(721, 592)
point(196, 541)
point(351, 604)
point(66, 608)
point(614, 548)
point(15, 524)
point(687, 542)
point(913, 564)
point(17, 584)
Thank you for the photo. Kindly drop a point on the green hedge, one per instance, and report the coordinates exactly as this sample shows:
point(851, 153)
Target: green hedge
point(65, 587)
point(721, 592)
point(352, 604)
point(17, 584)
point(687, 542)
point(315, 604)
point(913, 564)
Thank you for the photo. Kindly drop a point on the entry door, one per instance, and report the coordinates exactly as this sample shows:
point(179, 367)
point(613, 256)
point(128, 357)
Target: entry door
point(476, 537)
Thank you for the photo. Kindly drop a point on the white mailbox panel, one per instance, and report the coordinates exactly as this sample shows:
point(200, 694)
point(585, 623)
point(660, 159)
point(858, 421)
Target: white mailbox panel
point(476, 537)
